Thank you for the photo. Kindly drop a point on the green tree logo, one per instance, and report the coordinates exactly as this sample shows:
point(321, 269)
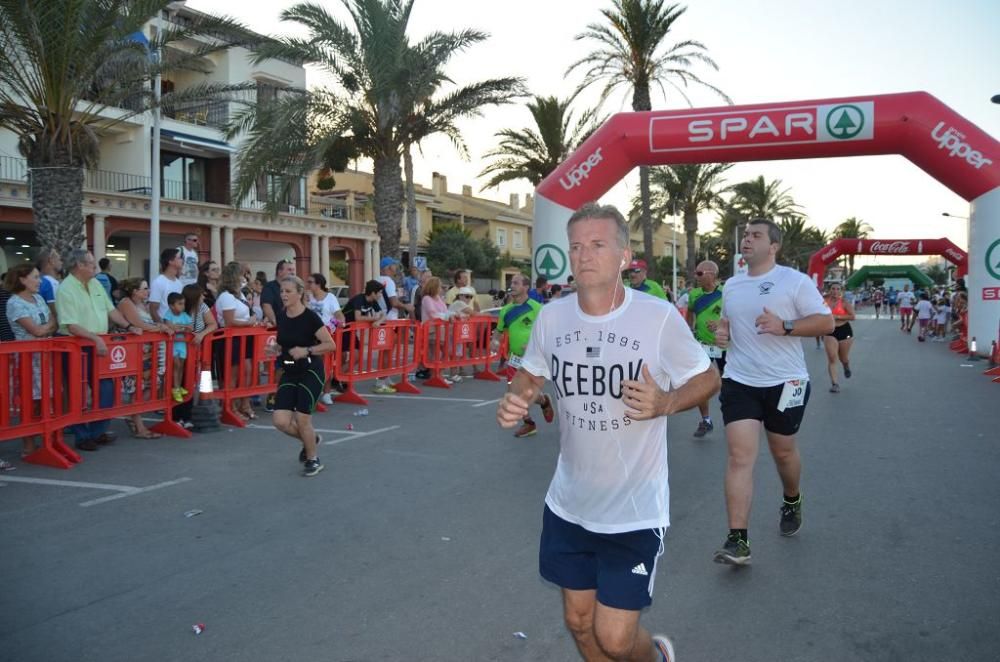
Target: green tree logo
point(550, 261)
point(845, 122)
point(993, 259)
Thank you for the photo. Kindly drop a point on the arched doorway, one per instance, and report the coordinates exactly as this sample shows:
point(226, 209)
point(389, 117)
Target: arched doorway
point(915, 125)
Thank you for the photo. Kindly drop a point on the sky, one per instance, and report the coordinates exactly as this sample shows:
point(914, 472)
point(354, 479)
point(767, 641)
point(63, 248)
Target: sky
point(767, 51)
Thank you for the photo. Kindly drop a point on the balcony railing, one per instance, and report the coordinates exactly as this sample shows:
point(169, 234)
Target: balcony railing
point(214, 114)
point(13, 169)
point(339, 209)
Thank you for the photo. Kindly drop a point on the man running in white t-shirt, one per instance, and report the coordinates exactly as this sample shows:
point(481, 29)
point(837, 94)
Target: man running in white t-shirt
point(621, 361)
point(764, 313)
point(905, 300)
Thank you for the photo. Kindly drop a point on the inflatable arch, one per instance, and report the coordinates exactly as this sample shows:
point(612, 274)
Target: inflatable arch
point(838, 247)
point(916, 276)
point(915, 125)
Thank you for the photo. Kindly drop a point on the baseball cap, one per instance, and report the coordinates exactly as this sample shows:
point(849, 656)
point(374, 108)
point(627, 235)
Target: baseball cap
point(637, 264)
point(466, 290)
point(387, 261)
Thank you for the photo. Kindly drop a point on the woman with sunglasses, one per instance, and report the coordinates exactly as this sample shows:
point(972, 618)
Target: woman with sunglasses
point(838, 344)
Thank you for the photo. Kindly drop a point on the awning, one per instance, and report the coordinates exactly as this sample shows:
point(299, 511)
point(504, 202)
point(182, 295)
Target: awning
point(196, 141)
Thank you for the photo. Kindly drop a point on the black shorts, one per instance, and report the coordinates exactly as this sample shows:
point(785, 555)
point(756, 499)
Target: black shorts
point(720, 363)
point(300, 387)
point(760, 403)
point(842, 332)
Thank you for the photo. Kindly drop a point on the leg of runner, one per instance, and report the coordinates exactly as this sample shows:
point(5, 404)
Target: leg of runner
point(743, 439)
point(789, 465)
point(578, 612)
point(620, 636)
point(831, 362)
point(844, 352)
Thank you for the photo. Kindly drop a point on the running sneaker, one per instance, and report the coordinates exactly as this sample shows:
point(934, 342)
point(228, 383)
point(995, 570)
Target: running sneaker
point(187, 425)
point(791, 517)
point(326, 399)
point(455, 379)
point(835, 388)
point(847, 370)
point(302, 453)
point(735, 551)
point(313, 467)
point(704, 427)
point(664, 648)
point(526, 430)
point(547, 411)
point(269, 402)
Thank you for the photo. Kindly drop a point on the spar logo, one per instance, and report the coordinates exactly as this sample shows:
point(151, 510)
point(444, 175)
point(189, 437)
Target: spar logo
point(793, 125)
point(890, 248)
point(118, 358)
point(550, 261)
point(993, 259)
point(581, 171)
point(953, 140)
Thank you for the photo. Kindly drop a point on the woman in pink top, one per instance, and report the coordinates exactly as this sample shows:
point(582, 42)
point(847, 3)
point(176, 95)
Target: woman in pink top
point(433, 307)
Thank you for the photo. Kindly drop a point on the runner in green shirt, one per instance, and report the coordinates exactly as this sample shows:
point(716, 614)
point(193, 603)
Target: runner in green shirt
point(704, 310)
point(516, 320)
point(637, 276)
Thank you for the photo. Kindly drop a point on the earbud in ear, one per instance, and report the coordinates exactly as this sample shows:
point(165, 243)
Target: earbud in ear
point(622, 265)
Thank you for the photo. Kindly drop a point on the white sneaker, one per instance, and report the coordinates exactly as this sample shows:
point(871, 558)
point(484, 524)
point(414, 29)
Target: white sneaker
point(664, 647)
point(326, 399)
point(455, 379)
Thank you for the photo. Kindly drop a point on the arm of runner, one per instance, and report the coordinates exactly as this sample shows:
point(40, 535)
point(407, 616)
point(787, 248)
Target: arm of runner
point(514, 405)
point(720, 328)
point(810, 326)
point(849, 307)
point(646, 399)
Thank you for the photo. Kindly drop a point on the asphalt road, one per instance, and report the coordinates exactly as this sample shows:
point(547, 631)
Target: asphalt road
point(419, 540)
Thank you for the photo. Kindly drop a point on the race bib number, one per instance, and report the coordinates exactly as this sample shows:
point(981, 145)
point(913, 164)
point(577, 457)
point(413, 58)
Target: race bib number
point(793, 394)
point(515, 361)
point(712, 351)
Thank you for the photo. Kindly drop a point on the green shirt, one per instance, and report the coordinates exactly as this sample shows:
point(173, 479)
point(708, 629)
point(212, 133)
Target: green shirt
point(651, 287)
point(710, 313)
point(517, 319)
point(84, 306)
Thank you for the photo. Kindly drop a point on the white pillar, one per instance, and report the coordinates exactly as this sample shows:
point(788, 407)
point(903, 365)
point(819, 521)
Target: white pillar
point(367, 257)
point(314, 254)
point(324, 256)
point(215, 247)
point(228, 250)
point(983, 281)
point(99, 239)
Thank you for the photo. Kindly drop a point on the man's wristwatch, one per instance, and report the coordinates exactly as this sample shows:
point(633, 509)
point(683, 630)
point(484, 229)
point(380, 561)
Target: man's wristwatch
point(788, 326)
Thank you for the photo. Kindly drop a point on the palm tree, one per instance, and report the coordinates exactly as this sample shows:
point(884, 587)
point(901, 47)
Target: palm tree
point(632, 52)
point(382, 104)
point(533, 152)
point(64, 64)
point(689, 189)
point(429, 116)
point(852, 228)
point(758, 198)
point(799, 241)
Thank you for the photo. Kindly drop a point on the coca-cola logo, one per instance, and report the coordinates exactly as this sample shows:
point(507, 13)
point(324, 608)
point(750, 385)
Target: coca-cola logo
point(895, 247)
point(828, 254)
point(954, 255)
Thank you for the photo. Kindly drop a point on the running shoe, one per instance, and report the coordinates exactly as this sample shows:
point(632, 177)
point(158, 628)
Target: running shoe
point(847, 370)
point(455, 379)
point(664, 648)
point(383, 389)
point(312, 467)
point(704, 427)
point(547, 411)
point(735, 551)
point(791, 517)
point(326, 399)
point(835, 388)
point(269, 402)
point(526, 430)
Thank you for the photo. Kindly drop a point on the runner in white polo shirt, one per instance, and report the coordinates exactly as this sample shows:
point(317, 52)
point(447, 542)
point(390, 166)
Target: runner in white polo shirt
point(764, 313)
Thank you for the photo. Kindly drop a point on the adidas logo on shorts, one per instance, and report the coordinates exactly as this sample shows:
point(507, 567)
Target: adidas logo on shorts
point(640, 570)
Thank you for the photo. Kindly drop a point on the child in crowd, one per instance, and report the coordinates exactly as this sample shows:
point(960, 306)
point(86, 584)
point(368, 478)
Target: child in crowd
point(180, 321)
point(941, 319)
point(925, 313)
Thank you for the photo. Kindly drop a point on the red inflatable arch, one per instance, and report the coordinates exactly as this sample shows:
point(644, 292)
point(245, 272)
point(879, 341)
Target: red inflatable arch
point(915, 124)
point(838, 247)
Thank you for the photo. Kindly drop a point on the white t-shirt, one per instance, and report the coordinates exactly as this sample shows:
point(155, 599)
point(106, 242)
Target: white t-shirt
point(764, 359)
point(159, 290)
point(924, 309)
point(189, 272)
point(905, 299)
point(226, 301)
point(325, 308)
point(390, 291)
point(611, 476)
point(943, 314)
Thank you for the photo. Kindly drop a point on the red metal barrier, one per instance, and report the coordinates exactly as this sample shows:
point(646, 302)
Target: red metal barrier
point(368, 351)
point(457, 344)
point(236, 380)
point(22, 415)
point(961, 344)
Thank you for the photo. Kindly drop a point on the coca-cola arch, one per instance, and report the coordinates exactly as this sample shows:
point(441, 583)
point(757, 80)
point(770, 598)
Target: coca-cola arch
point(841, 247)
point(914, 124)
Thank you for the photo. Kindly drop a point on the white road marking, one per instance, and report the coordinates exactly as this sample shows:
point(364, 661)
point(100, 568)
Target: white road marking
point(420, 397)
point(347, 434)
point(133, 492)
point(122, 490)
point(487, 402)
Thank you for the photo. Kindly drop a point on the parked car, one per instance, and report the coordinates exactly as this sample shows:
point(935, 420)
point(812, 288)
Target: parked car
point(342, 292)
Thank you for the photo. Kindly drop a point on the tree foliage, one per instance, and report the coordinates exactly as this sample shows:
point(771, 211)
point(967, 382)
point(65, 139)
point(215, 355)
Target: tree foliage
point(452, 247)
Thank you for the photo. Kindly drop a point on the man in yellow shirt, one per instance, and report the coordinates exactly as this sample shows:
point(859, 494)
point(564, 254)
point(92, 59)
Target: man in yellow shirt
point(84, 310)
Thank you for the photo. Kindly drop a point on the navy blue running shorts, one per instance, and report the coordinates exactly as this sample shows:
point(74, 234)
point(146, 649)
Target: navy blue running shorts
point(620, 566)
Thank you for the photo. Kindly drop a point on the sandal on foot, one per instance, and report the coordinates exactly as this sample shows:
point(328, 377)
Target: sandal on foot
point(148, 434)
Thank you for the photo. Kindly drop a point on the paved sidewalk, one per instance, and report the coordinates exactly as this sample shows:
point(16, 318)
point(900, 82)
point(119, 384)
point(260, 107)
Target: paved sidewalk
point(420, 541)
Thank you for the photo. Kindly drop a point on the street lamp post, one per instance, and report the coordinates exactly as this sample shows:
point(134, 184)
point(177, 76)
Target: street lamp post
point(154, 193)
